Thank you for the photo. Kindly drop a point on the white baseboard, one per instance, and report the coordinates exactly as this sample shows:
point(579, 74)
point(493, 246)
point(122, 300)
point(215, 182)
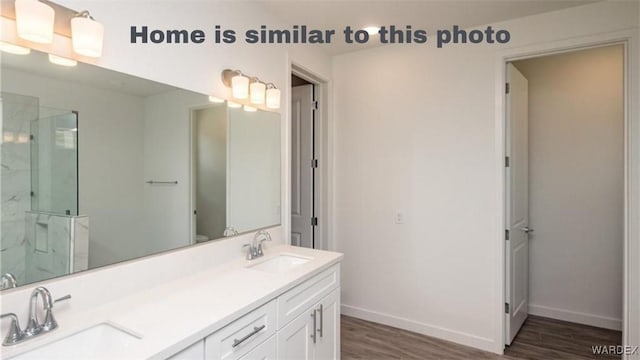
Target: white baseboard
point(576, 317)
point(458, 337)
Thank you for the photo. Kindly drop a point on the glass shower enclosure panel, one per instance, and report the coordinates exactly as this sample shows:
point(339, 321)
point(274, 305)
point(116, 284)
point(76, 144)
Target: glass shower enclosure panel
point(54, 159)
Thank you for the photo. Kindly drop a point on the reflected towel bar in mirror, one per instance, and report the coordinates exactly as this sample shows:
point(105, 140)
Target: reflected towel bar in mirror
point(163, 182)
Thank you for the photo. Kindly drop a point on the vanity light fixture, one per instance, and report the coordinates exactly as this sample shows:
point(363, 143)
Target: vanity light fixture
point(14, 49)
point(215, 100)
point(86, 35)
point(257, 91)
point(248, 108)
point(233, 105)
point(273, 96)
point(240, 86)
point(62, 61)
point(34, 21)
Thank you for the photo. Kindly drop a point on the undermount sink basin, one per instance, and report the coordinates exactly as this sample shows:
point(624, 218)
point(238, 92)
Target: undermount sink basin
point(98, 341)
point(280, 263)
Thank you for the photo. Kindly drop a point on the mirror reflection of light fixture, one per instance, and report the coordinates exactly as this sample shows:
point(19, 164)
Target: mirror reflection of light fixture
point(273, 97)
point(86, 35)
point(34, 21)
point(233, 105)
point(14, 49)
point(62, 61)
point(248, 108)
point(257, 91)
point(215, 100)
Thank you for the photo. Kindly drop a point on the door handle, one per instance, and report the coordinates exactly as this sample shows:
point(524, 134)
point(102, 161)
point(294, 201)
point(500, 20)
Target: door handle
point(527, 229)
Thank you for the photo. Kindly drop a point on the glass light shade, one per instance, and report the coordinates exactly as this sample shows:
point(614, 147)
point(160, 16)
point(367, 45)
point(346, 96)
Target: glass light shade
point(257, 90)
point(215, 100)
point(23, 138)
point(62, 61)
point(87, 36)
point(233, 105)
point(240, 87)
point(34, 21)
point(8, 137)
point(248, 108)
point(14, 49)
point(273, 98)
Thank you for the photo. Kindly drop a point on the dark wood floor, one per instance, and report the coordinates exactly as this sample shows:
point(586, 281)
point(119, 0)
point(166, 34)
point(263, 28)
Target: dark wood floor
point(539, 339)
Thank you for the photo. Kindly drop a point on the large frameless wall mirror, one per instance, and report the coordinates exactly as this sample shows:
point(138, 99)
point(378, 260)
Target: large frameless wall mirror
point(100, 167)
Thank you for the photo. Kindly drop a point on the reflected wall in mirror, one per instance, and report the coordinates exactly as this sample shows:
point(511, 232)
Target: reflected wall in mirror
point(100, 167)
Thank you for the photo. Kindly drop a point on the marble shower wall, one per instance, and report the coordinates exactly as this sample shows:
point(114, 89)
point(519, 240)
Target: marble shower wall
point(55, 245)
point(15, 180)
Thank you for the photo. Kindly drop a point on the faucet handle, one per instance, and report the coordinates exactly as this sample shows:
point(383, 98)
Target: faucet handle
point(66, 297)
point(15, 334)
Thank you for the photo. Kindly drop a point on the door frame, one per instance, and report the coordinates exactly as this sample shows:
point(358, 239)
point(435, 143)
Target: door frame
point(322, 186)
point(631, 257)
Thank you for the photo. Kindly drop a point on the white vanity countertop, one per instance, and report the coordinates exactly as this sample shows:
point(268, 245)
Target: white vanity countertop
point(176, 314)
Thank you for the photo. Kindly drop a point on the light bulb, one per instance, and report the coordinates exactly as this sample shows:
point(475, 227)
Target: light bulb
point(273, 98)
point(248, 108)
point(240, 86)
point(87, 36)
point(14, 49)
point(257, 90)
point(62, 61)
point(34, 21)
point(215, 100)
point(233, 105)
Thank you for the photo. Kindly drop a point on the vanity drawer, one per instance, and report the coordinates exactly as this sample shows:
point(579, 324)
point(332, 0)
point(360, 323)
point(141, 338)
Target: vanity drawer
point(238, 338)
point(297, 300)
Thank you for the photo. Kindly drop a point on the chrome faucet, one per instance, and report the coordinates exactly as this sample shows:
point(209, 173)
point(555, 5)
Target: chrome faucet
point(255, 247)
point(34, 326)
point(230, 231)
point(8, 281)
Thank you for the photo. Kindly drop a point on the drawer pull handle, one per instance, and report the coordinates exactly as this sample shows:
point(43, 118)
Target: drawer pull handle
point(321, 328)
point(256, 329)
point(313, 334)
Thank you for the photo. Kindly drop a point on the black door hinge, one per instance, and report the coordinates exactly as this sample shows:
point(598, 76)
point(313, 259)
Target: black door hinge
point(314, 221)
point(506, 234)
point(314, 163)
point(507, 88)
point(506, 308)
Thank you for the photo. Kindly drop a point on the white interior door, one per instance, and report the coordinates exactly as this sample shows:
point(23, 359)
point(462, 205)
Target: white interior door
point(517, 246)
point(301, 170)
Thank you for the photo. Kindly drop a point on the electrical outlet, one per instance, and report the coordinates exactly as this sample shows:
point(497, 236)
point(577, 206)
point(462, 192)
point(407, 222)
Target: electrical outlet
point(399, 218)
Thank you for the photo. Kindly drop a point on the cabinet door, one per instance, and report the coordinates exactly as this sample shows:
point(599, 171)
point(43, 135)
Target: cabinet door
point(266, 351)
point(327, 345)
point(295, 341)
point(193, 352)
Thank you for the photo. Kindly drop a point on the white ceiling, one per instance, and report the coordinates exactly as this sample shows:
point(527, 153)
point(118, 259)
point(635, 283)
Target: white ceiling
point(425, 14)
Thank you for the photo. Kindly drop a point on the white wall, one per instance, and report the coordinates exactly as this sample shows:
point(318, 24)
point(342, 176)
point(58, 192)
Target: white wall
point(576, 185)
point(415, 132)
point(109, 147)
